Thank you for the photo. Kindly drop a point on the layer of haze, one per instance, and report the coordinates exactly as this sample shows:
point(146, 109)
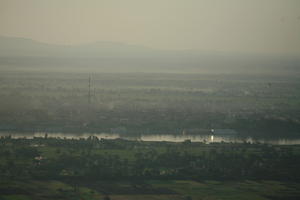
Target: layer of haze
point(257, 26)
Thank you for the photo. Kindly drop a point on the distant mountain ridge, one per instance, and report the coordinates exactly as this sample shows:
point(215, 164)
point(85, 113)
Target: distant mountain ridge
point(24, 52)
point(11, 47)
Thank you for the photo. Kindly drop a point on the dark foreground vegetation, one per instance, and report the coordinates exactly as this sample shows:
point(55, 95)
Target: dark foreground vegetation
point(54, 168)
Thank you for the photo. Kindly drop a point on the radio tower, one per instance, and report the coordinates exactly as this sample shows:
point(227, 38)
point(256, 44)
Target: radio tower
point(89, 96)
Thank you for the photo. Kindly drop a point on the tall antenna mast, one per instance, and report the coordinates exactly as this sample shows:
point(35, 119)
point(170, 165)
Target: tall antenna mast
point(89, 97)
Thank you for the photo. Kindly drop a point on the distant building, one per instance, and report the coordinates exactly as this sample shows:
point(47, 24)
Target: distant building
point(223, 132)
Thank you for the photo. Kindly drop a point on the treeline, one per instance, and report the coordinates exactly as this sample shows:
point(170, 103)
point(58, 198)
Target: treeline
point(150, 122)
point(93, 159)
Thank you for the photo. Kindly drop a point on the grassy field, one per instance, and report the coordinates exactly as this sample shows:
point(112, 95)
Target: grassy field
point(152, 190)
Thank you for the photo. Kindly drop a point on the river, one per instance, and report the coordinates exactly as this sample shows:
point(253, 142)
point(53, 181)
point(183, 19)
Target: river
point(163, 137)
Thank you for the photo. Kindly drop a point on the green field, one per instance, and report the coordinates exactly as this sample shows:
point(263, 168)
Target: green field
point(152, 190)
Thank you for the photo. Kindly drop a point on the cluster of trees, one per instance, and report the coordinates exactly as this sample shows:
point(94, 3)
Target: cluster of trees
point(94, 159)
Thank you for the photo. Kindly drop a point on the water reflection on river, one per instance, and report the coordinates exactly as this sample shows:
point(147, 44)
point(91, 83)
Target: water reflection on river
point(163, 137)
point(218, 138)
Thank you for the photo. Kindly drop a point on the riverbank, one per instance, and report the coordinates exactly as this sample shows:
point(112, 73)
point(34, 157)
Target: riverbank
point(202, 138)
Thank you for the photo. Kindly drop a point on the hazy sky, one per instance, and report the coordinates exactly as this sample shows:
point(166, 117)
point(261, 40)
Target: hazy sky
point(266, 26)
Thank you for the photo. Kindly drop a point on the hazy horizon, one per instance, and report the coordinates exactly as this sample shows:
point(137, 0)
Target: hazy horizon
point(260, 27)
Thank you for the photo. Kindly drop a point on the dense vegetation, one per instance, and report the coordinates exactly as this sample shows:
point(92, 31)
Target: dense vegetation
point(121, 159)
point(149, 103)
point(89, 162)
